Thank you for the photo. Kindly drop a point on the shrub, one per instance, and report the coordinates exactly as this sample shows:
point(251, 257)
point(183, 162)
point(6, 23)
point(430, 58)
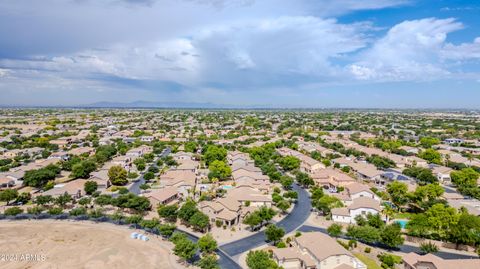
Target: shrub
point(428, 247)
point(298, 234)
point(55, 211)
point(78, 211)
point(13, 211)
point(35, 210)
point(368, 250)
point(281, 244)
point(218, 223)
point(352, 244)
point(389, 260)
point(343, 244)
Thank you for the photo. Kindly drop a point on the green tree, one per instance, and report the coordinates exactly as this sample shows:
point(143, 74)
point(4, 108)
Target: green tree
point(428, 142)
point(304, 179)
point(103, 200)
point(260, 259)
point(38, 178)
point(187, 210)
point(23, 198)
point(185, 249)
point(437, 221)
point(199, 221)
point(398, 193)
point(326, 203)
point(274, 233)
point(207, 244)
point(213, 153)
point(335, 230)
point(283, 205)
point(42, 200)
point(140, 164)
point(168, 212)
point(208, 262)
point(391, 235)
point(8, 195)
point(117, 175)
point(365, 234)
point(166, 230)
point(253, 220)
point(134, 219)
point(375, 220)
point(83, 169)
point(289, 163)
point(90, 187)
point(467, 230)
point(465, 177)
point(220, 170)
point(191, 146)
point(431, 156)
point(149, 176)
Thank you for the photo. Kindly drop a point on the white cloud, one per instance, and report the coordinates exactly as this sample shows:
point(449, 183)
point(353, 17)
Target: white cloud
point(464, 51)
point(409, 51)
point(274, 49)
point(337, 7)
point(3, 72)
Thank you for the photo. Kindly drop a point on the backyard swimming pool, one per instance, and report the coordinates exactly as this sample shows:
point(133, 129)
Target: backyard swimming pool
point(402, 222)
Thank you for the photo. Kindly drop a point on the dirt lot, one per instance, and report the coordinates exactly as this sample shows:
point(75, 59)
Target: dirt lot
point(68, 244)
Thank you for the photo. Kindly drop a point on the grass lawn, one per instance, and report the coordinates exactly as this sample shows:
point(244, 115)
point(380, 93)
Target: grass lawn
point(370, 263)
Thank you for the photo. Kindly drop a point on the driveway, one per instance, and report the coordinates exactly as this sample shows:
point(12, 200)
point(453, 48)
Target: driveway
point(291, 222)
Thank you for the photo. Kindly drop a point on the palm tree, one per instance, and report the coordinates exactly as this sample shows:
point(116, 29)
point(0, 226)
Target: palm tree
point(389, 212)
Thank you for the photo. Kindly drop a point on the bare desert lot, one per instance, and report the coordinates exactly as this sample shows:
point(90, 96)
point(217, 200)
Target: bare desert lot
point(67, 244)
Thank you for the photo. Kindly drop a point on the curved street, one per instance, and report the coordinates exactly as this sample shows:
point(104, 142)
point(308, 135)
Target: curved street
point(291, 222)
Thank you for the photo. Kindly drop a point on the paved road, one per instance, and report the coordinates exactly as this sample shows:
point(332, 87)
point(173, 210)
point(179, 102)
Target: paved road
point(225, 261)
point(403, 248)
point(135, 187)
point(296, 218)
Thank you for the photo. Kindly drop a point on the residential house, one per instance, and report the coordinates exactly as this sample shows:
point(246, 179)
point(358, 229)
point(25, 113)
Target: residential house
point(415, 261)
point(331, 179)
point(183, 180)
point(316, 250)
point(163, 196)
point(360, 206)
point(226, 210)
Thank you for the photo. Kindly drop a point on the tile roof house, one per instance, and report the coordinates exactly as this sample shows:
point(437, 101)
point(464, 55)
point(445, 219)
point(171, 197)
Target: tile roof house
point(183, 180)
point(251, 194)
point(360, 206)
point(308, 252)
point(74, 188)
point(226, 210)
point(414, 261)
point(331, 179)
point(162, 196)
point(356, 190)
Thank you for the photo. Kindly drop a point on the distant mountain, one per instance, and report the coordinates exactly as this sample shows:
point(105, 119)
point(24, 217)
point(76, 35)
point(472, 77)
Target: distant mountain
point(147, 104)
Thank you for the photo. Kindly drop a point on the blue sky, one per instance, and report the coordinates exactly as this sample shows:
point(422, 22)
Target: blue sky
point(276, 53)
